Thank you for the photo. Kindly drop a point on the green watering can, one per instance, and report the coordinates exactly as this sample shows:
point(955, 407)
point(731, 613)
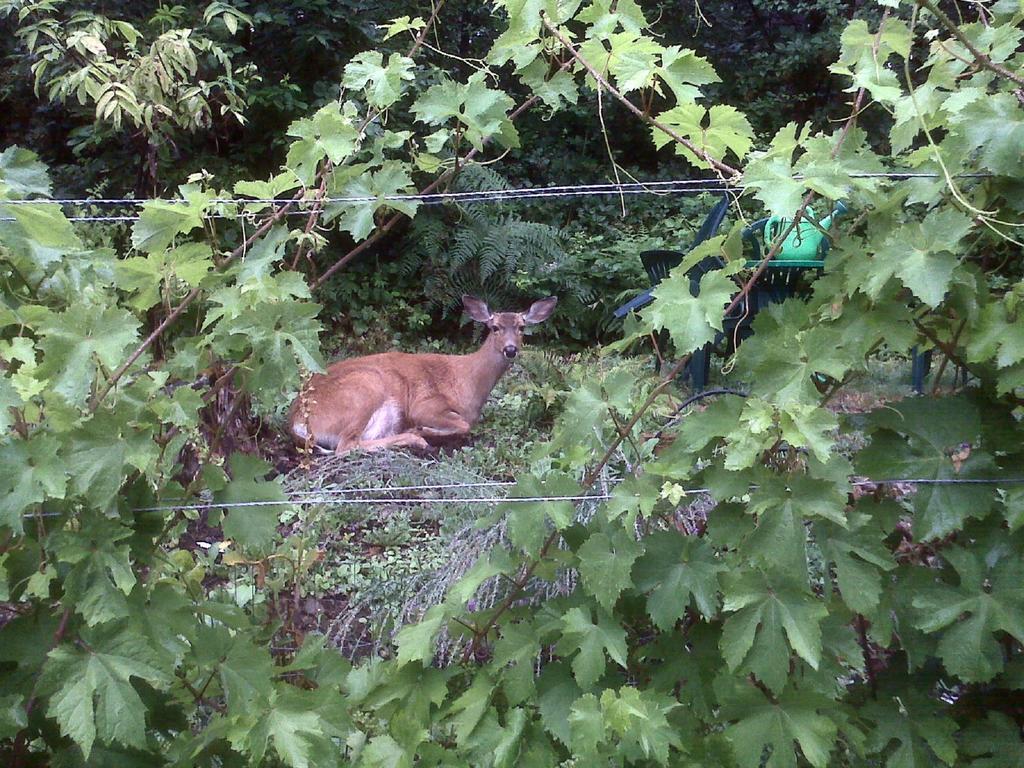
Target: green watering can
point(804, 243)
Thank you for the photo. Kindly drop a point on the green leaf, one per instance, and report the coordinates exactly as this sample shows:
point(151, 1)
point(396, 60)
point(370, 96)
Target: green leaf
point(46, 225)
point(693, 321)
point(30, 472)
point(727, 129)
point(93, 697)
point(676, 570)
point(994, 742)
point(401, 24)
point(918, 439)
point(22, 175)
point(919, 726)
point(416, 641)
point(605, 565)
point(481, 111)
point(527, 527)
point(100, 454)
point(329, 134)
point(249, 523)
point(12, 715)
point(101, 573)
point(771, 173)
point(638, 721)
point(246, 675)
point(161, 221)
point(143, 276)
point(996, 336)
point(77, 341)
point(557, 691)
point(994, 126)
point(469, 708)
point(586, 725)
point(860, 557)
point(379, 188)
point(787, 351)
point(591, 641)
point(988, 600)
point(382, 84)
point(794, 718)
point(761, 612)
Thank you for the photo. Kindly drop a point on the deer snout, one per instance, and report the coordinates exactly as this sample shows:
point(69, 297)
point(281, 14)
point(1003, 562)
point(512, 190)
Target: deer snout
point(510, 351)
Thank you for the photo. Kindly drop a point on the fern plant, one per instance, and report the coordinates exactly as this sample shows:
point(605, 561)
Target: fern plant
point(486, 250)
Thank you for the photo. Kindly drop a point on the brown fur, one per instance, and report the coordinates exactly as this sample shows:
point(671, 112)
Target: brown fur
point(397, 399)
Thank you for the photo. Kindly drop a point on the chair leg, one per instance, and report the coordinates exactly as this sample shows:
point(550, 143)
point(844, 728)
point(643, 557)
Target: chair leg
point(921, 363)
point(700, 368)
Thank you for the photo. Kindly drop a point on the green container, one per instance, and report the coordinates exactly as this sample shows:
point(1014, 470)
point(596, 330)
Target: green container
point(804, 243)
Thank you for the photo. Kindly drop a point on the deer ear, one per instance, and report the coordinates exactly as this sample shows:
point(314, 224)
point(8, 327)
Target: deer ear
point(540, 310)
point(476, 309)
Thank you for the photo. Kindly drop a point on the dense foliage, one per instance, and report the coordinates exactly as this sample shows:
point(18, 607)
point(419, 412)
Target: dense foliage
point(824, 615)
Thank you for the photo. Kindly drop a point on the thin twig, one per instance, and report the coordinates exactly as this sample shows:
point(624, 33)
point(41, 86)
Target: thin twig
point(191, 296)
point(698, 151)
point(980, 57)
point(391, 223)
point(595, 472)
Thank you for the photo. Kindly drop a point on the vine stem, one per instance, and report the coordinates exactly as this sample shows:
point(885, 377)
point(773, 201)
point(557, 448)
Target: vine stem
point(979, 57)
point(595, 472)
point(392, 222)
point(18, 749)
point(701, 153)
point(191, 296)
point(278, 213)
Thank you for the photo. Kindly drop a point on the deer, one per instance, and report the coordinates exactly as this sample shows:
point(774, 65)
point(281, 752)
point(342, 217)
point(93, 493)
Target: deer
point(403, 400)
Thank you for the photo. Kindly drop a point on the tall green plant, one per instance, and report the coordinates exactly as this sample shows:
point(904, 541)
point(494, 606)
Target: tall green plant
point(810, 619)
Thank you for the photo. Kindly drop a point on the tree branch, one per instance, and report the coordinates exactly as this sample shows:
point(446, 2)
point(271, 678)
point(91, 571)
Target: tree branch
point(390, 224)
point(701, 153)
point(980, 57)
point(279, 213)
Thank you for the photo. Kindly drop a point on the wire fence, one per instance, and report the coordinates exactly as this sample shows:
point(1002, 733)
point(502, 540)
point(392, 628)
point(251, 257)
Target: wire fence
point(669, 187)
point(380, 497)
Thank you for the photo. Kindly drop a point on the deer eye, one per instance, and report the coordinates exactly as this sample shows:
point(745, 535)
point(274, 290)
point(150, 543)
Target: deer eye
point(495, 328)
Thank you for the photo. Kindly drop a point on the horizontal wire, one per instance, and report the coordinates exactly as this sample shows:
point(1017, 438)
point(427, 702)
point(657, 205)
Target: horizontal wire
point(609, 187)
point(677, 186)
point(332, 499)
point(393, 488)
point(426, 200)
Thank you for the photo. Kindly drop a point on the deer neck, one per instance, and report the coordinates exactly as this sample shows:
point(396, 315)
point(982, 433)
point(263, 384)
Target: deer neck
point(483, 369)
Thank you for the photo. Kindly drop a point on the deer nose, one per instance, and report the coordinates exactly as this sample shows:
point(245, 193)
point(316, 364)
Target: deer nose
point(510, 351)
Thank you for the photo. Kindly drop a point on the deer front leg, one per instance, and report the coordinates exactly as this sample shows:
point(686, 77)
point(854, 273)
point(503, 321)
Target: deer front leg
point(401, 440)
point(435, 418)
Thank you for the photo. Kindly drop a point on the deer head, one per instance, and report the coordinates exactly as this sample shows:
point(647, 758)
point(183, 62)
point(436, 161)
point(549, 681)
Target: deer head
point(506, 328)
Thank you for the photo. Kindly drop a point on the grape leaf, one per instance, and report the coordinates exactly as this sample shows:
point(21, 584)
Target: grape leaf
point(381, 83)
point(693, 321)
point(249, 523)
point(761, 612)
point(917, 439)
point(605, 565)
point(77, 341)
point(757, 721)
point(92, 694)
point(30, 472)
point(989, 599)
point(676, 570)
point(591, 641)
point(22, 175)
